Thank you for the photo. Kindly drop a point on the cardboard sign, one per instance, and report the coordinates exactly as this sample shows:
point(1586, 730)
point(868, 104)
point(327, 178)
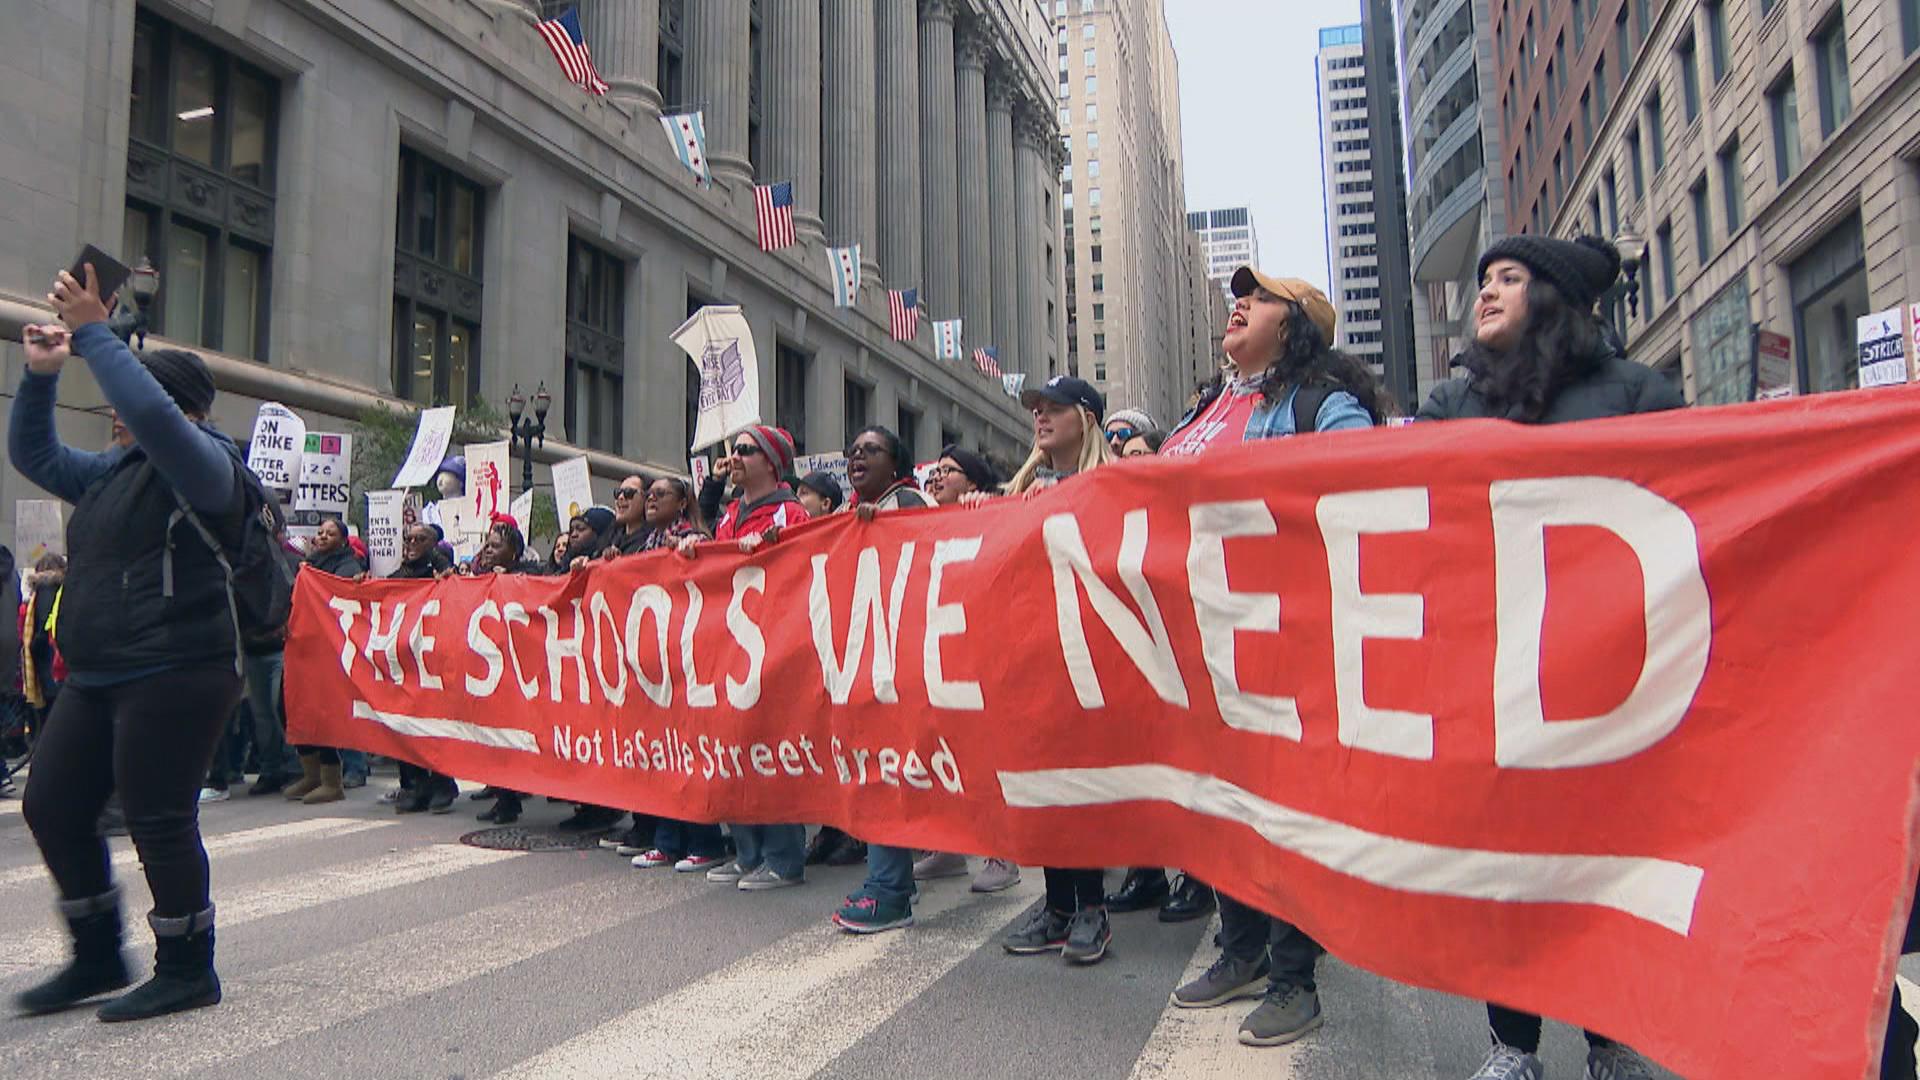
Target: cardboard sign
point(430, 441)
point(834, 464)
point(488, 487)
point(37, 532)
point(386, 521)
point(279, 440)
point(572, 489)
point(1883, 349)
point(326, 483)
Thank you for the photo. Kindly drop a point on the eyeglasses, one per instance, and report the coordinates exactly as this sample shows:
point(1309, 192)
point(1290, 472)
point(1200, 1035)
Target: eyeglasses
point(948, 470)
point(628, 493)
point(747, 450)
point(865, 450)
point(661, 494)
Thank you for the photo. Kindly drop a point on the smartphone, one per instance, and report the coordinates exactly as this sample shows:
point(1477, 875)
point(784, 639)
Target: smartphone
point(110, 272)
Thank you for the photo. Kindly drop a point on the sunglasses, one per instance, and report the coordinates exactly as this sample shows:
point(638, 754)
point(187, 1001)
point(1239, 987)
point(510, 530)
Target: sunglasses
point(747, 450)
point(628, 493)
point(1121, 434)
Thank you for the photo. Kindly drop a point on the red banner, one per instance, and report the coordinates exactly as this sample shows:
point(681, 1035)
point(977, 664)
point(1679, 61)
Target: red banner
point(1607, 721)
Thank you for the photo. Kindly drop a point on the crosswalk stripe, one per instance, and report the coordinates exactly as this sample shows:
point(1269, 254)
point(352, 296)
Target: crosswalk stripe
point(278, 896)
point(783, 1010)
point(314, 993)
point(9, 806)
point(238, 842)
point(1204, 1043)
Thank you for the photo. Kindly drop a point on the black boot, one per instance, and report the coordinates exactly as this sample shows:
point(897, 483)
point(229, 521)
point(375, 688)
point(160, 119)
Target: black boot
point(824, 843)
point(445, 790)
point(1145, 887)
point(506, 811)
point(183, 975)
point(98, 967)
point(415, 799)
point(1191, 899)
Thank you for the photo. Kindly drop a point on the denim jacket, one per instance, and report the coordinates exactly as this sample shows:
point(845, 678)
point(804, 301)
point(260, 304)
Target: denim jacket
point(1341, 411)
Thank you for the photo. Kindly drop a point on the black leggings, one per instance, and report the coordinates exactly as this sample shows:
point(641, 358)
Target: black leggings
point(150, 740)
point(1069, 891)
point(327, 754)
point(1521, 1030)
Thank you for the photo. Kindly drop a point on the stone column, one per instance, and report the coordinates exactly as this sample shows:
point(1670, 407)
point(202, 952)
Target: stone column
point(1054, 330)
point(847, 147)
point(717, 70)
point(898, 103)
point(790, 38)
point(1004, 245)
point(625, 38)
point(939, 182)
point(976, 266)
point(1030, 239)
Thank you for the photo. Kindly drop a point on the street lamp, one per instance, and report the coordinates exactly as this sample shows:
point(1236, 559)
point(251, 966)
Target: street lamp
point(130, 321)
point(1633, 248)
point(525, 431)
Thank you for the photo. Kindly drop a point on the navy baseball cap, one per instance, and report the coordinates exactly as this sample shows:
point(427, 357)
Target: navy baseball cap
point(1066, 390)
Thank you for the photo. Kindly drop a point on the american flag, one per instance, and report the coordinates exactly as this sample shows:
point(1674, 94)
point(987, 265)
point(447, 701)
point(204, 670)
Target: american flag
point(946, 339)
point(987, 359)
point(773, 206)
point(570, 48)
point(844, 265)
point(903, 313)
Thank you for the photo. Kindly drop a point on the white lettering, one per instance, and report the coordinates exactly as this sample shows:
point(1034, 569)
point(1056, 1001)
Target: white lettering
point(699, 695)
point(348, 609)
point(1220, 612)
point(745, 693)
point(420, 644)
point(484, 647)
point(511, 614)
point(614, 692)
point(386, 642)
point(1150, 647)
point(1357, 616)
point(650, 599)
point(867, 610)
point(561, 649)
point(947, 620)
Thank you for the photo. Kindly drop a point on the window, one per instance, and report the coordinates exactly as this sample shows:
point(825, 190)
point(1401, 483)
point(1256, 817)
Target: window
point(856, 402)
point(1093, 169)
point(1086, 32)
point(1830, 63)
point(1633, 159)
point(1656, 130)
point(1733, 188)
point(1909, 26)
point(908, 429)
point(1611, 190)
point(1099, 343)
point(670, 52)
point(1722, 333)
point(1716, 11)
point(1099, 312)
point(1783, 105)
point(1087, 57)
point(1586, 116)
point(1623, 41)
point(790, 372)
point(1600, 88)
point(596, 348)
point(1702, 223)
point(1093, 142)
point(200, 187)
point(1066, 116)
point(1099, 283)
point(1099, 371)
point(1663, 245)
point(436, 282)
point(1095, 253)
point(1093, 113)
point(1686, 56)
point(1829, 288)
point(1093, 198)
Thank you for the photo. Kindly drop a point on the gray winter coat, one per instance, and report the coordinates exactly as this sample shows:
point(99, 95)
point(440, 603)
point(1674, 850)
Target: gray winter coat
point(1618, 387)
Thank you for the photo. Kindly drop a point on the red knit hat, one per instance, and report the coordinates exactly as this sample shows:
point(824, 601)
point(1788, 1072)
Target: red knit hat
point(776, 444)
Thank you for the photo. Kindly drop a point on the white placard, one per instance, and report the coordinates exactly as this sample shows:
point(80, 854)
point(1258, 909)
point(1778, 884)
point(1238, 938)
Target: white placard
point(1913, 335)
point(326, 479)
point(1883, 349)
point(37, 532)
point(430, 441)
point(720, 342)
point(279, 440)
point(834, 463)
point(386, 519)
point(522, 512)
point(572, 489)
point(699, 467)
point(488, 485)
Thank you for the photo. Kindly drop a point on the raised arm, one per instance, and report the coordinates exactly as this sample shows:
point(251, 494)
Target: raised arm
point(32, 443)
point(197, 464)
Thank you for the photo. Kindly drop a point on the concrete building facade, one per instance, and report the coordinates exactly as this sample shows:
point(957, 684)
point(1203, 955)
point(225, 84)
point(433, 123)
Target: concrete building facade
point(1399, 359)
point(1228, 240)
point(1768, 157)
point(1123, 197)
point(1346, 166)
point(358, 201)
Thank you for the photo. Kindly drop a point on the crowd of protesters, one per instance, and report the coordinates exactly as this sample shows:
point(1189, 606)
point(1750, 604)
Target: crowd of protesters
point(128, 675)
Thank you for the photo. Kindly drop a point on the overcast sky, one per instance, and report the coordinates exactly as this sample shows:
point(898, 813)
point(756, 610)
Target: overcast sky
point(1251, 122)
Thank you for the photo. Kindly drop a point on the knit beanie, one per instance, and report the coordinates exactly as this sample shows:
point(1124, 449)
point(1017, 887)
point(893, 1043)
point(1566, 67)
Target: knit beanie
point(1137, 419)
point(599, 519)
point(1581, 269)
point(184, 376)
point(776, 444)
point(977, 469)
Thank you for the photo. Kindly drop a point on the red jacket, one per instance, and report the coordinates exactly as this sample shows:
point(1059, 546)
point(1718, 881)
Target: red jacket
point(778, 509)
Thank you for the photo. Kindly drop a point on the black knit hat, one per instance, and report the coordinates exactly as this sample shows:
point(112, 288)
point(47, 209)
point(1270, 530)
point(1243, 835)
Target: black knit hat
point(824, 485)
point(978, 469)
point(1582, 269)
point(184, 376)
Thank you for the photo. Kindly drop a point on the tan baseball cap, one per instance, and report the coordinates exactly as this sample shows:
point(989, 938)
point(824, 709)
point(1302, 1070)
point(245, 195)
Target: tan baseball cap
point(1311, 300)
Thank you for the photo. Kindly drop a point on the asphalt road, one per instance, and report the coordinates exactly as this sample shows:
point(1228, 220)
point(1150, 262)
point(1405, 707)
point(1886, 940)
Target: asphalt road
point(354, 943)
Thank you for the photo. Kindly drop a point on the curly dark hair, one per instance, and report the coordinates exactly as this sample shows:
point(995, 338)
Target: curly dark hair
point(1306, 357)
point(1560, 345)
point(896, 449)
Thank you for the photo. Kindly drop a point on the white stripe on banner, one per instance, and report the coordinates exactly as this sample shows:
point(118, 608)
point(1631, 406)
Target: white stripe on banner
point(1655, 890)
point(438, 728)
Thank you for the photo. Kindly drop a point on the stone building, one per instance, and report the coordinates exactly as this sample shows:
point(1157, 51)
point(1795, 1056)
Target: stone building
point(355, 201)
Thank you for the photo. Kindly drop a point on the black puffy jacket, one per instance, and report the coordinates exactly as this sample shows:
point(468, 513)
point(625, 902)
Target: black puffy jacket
point(1618, 387)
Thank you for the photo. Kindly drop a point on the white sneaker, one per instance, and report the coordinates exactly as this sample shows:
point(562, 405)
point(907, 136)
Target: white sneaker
point(1616, 1062)
point(214, 794)
point(727, 873)
point(998, 875)
point(939, 865)
point(1506, 1063)
point(761, 879)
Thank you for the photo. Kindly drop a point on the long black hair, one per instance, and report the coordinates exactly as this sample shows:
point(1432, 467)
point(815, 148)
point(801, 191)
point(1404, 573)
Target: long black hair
point(897, 450)
point(1560, 345)
point(1306, 357)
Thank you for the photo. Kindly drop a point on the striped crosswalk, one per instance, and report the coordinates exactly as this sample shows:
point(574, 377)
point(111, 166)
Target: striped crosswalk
point(354, 943)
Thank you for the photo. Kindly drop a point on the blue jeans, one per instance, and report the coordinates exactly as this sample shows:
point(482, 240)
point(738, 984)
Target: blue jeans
point(889, 874)
point(270, 746)
point(686, 838)
point(781, 847)
point(353, 763)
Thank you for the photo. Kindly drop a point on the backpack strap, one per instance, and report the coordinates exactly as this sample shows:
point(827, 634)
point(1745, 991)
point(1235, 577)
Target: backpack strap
point(1307, 400)
point(185, 511)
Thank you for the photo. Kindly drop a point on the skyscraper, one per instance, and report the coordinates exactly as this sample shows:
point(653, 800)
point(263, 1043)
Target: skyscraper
point(1228, 241)
point(1346, 162)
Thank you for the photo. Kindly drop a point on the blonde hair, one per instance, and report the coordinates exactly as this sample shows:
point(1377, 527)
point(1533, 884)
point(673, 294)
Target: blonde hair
point(1093, 453)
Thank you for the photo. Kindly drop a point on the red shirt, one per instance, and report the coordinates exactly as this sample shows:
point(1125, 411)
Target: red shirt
point(1227, 415)
point(779, 508)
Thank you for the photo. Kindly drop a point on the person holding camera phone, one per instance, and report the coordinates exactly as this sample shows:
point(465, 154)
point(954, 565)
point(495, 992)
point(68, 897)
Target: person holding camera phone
point(149, 640)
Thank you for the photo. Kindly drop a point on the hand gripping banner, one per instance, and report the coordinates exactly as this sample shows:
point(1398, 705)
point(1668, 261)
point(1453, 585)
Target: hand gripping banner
point(1609, 721)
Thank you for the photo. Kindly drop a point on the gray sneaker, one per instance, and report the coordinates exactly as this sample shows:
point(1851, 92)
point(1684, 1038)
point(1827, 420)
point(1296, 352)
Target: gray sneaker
point(727, 873)
point(1088, 936)
point(998, 875)
point(939, 865)
point(1040, 930)
point(1506, 1063)
point(763, 878)
point(1615, 1062)
point(1227, 980)
point(1285, 1014)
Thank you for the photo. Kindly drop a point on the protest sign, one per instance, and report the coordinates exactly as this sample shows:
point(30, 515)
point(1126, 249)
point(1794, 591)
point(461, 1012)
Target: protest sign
point(834, 464)
point(37, 533)
point(430, 441)
point(386, 517)
point(488, 486)
point(572, 489)
point(279, 439)
point(522, 512)
point(1883, 349)
point(720, 342)
point(1416, 691)
point(326, 471)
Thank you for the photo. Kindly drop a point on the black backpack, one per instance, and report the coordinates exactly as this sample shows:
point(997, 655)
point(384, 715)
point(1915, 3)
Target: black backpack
point(1307, 401)
point(260, 572)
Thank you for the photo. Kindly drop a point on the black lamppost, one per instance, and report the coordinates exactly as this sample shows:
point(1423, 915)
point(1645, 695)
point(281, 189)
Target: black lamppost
point(528, 430)
point(1633, 249)
point(130, 321)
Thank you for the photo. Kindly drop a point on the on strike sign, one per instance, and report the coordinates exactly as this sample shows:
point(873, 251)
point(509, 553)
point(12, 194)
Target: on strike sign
point(1575, 718)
